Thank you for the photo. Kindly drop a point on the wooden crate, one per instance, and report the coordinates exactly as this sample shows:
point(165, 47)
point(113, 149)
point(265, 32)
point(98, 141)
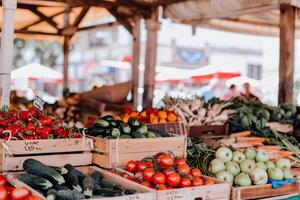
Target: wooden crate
point(263, 191)
point(218, 191)
point(170, 127)
point(117, 152)
point(196, 131)
point(55, 152)
point(143, 192)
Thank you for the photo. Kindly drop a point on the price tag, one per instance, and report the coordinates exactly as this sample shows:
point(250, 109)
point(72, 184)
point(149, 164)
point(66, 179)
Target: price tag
point(133, 197)
point(175, 195)
point(38, 103)
point(32, 145)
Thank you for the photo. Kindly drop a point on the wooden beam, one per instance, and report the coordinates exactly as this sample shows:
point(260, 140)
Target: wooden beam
point(66, 50)
point(152, 26)
point(41, 20)
point(36, 32)
point(121, 19)
point(143, 10)
point(98, 26)
point(44, 17)
point(287, 53)
point(81, 16)
point(136, 46)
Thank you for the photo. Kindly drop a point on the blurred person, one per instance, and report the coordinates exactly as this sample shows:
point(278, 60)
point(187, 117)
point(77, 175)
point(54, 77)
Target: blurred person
point(247, 94)
point(231, 93)
point(209, 91)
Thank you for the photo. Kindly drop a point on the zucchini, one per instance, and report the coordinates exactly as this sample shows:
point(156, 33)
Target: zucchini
point(69, 195)
point(35, 167)
point(52, 194)
point(142, 130)
point(101, 123)
point(106, 192)
point(125, 136)
point(113, 124)
point(97, 177)
point(105, 183)
point(108, 118)
point(159, 133)
point(61, 187)
point(108, 137)
point(88, 185)
point(138, 135)
point(61, 170)
point(134, 122)
point(69, 167)
point(96, 131)
point(130, 191)
point(125, 128)
point(151, 135)
point(72, 180)
point(115, 133)
point(35, 182)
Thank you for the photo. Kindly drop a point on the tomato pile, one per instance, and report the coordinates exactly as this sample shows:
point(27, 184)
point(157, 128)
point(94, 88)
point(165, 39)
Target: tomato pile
point(31, 125)
point(148, 115)
point(8, 192)
point(163, 171)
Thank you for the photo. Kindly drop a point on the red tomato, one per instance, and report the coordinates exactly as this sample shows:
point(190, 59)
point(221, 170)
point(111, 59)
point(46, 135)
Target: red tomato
point(131, 166)
point(127, 176)
point(159, 178)
point(141, 166)
point(184, 168)
point(166, 160)
point(3, 193)
point(19, 193)
point(32, 197)
point(168, 171)
point(161, 187)
point(197, 181)
point(180, 161)
point(173, 179)
point(185, 182)
point(9, 189)
point(149, 163)
point(2, 180)
point(145, 183)
point(209, 181)
point(148, 173)
point(195, 172)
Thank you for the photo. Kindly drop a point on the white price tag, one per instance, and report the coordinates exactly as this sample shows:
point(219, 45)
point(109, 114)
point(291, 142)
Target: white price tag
point(38, 103)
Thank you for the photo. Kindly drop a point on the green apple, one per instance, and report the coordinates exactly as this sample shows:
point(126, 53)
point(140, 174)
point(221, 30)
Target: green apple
point(283, 163)
point(250, 153)
point(262, 165)
point(216, 166)
point(225, 176)
point(275, 174)
point(270, 164)
point(261, 156)
point(242, 179)
point(258, 176)
point(224, 154)
point(238, 156)
point(247, 165)
point(287, 174)
point(233, 168)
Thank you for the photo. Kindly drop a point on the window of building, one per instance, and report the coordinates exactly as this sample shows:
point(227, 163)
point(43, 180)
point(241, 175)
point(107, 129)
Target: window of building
point(254, 71)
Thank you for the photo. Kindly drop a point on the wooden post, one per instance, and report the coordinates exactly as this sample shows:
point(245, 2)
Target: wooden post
point(287, 48)
point(152, 26)
point(135, 60)
point(6, 55)
point(66, 49)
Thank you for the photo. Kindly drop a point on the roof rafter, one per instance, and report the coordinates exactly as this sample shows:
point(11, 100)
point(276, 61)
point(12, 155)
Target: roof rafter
point(122, 19)
point(44, 17)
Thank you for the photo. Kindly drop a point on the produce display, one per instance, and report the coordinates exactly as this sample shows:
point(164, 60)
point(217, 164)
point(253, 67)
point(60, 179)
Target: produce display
point(109, 128)
point(68, 183)
point(8, 192)
point(149, 115)
point(196, 112)
point(250, 167)
point(162, 171)
point(31, 125)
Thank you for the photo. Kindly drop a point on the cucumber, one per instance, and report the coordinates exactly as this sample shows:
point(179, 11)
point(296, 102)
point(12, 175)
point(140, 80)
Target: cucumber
point(35, 167)
point(51, 194)
point(125, 128)
point(113, 124)
point(151, 135)
point(125, 136)
point(142, 130)
point(108, 118)
point(115, 133)
point(88, 185)
point(138, 135)
point(72, 181)
point(61, 170)
point(69, 195)
point(101, 123)
point(130, 191)
point(107, 192)
point(105, 183)
point(159, 133)
point(35, 182)
point(97, 177)
point(96, 131)
point(69, 167)
point(134, 122)
point(61, 187)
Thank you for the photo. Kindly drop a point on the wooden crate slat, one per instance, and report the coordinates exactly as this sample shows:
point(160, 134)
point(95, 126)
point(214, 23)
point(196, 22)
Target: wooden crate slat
point(48, 146)
point(263, 191)
point(77, 159)
point(169, 127)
